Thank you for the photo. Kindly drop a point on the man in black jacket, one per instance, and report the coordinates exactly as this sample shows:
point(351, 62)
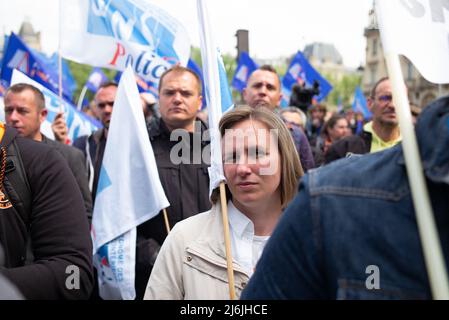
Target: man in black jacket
point(25, 111)
point(178, 139)
point(48, 250)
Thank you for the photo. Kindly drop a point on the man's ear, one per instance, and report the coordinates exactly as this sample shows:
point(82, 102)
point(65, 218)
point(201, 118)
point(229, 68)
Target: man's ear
point(280, 99)
point(370, 103)
point(200, 104)
point(244, 93)
point(43, 115)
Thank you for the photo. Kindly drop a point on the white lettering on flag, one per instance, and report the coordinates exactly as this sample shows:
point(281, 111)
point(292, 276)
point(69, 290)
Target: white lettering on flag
point(419, 30)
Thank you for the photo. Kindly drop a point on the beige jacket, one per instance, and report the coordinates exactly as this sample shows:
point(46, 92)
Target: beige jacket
point(192, 262)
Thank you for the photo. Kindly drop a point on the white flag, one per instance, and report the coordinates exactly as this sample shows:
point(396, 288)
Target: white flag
point(420, 31)
point(129, 192)
point(217, 92)
point(115, 33)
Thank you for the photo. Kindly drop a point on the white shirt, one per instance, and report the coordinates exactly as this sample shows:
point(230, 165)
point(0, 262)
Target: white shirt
point(246, 247)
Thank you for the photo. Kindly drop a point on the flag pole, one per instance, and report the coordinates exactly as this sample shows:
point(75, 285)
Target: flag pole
point(81, 98)
point(224, 213)
point(212, 82)
point(60, 58)
point(426, 224)
point(167, 224)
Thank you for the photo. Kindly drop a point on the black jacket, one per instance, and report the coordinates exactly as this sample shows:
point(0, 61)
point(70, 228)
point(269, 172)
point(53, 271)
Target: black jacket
point(357, 144)
point(75, 160)
point(186, 187)
point(95, 143)
point(56, 227)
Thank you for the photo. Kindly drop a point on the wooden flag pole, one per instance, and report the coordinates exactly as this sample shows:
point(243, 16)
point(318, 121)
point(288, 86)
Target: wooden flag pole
point(227, 238)
point(167, 224)
point(426, 224)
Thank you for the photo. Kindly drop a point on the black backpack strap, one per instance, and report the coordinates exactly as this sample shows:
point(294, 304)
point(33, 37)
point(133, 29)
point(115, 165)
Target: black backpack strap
point(16, 175)
point(15, 184)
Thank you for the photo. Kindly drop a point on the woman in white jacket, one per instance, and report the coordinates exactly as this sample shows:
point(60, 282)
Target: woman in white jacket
point(262, 171)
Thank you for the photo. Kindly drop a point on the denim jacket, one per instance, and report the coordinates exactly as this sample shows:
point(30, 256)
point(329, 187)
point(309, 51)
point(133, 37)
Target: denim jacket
point(351, 232)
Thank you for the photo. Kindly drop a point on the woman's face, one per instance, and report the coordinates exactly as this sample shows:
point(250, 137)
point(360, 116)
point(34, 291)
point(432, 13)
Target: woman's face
point(251, 163)
point(340, 130)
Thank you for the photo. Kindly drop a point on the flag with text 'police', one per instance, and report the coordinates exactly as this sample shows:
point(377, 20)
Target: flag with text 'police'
point(142, 85)
point(300, 71)
point(116, 33)
point(359, 104)
point(195, 68)
point(129, 193)
point(219, 99)
point(78, 123)
point(36, 66)
point(420, 31)
point(245, 67)
point(96, 79)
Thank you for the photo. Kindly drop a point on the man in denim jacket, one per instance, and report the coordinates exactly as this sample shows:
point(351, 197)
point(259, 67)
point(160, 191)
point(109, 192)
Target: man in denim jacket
point(351, 232)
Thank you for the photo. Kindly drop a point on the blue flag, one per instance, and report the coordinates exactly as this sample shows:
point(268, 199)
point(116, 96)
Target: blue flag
point(245, 67)
point(142, 85)
point(195, 68)
point(359, 104)
point(301, 71)
point(96, 79)
point(34, 65)
point(52, 64)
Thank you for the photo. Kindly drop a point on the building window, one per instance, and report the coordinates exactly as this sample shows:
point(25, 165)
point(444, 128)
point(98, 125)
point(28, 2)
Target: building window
point(374, 52)
point(373, 75)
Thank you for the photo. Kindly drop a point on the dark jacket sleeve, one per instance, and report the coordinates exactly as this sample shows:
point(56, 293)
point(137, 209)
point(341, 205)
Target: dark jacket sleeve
point(77, 164)
point(353, 144)
point(305, 153)
point(78, 167)
point(59, 232)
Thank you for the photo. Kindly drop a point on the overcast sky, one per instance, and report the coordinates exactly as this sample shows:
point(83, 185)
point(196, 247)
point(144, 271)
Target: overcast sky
point(276, 27)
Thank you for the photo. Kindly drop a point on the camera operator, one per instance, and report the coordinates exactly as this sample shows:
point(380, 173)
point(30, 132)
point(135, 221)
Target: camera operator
point(301, 96)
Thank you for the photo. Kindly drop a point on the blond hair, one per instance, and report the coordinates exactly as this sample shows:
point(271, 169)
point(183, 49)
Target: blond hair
point(290, 164)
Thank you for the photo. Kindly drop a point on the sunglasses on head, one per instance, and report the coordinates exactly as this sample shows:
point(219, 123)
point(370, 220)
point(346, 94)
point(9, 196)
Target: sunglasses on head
point(103, 105)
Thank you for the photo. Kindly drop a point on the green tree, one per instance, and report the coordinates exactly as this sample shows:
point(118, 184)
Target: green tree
point(80, 73)
point(343, 88)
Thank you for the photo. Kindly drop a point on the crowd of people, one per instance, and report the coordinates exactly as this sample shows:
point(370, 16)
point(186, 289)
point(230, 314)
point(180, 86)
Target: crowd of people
point(305, 228)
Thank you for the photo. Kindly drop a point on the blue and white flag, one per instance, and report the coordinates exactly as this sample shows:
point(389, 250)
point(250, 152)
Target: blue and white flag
point(78, 123)
point(245, 67)
point(359, 104)
point(195, 68)
point(217, 91)
point(116, 33)
point(96, 79)
point(142, 85)
point(36, 66)
point(301, 71)
point(129, 193)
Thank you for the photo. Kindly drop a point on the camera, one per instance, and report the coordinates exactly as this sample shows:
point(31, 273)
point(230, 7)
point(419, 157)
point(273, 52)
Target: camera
point(301, 96)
